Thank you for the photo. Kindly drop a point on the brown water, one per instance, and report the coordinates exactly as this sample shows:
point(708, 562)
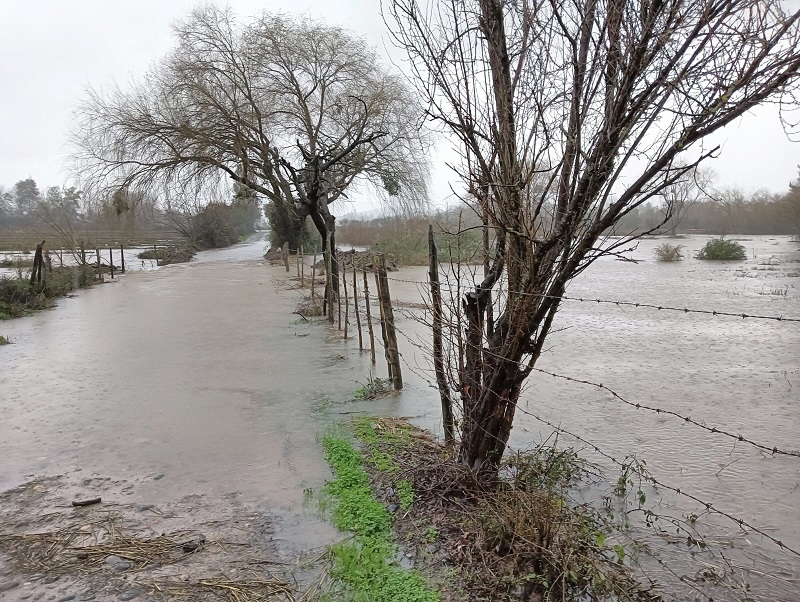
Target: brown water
point(201, 373)
point(741, 374)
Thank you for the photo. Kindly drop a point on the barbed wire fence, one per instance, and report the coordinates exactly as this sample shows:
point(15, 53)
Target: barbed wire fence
point(628, 463)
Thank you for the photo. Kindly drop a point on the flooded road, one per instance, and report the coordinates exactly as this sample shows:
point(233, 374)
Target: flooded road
point(198, 372)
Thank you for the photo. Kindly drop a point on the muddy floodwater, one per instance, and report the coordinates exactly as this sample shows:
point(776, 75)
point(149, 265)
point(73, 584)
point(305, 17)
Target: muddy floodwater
point(739, 374)
point(197, 382)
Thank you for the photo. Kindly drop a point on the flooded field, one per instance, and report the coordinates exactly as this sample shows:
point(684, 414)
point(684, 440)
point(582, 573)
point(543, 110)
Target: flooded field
point(740, 374)
point(196, 382)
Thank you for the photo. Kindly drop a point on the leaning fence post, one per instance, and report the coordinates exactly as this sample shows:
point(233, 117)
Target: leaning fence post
point(438, 354)
point(355, 307)
point(392, 352)
point(369, 318)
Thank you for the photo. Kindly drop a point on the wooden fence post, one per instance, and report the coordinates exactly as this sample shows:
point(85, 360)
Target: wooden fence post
point(302, 269)
point(355, 306)
point(313, 276)
point(38, 260)
point(346, 306)
point(286, 255)
point(111, 261)
point(392, 353)
point(369, 318)
point(99, 266)
point(338, 297)
point(438, 354)
point(122, 256)
point(83, 254)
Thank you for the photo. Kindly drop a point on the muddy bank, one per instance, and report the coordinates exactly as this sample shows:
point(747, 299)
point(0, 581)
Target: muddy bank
point(199, 547)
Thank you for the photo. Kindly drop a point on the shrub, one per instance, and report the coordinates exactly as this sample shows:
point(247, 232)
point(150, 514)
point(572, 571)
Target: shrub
point(719, 249)
point(668, 252)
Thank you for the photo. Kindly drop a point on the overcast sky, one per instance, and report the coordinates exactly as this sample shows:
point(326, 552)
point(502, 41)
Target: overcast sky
point(51, 50)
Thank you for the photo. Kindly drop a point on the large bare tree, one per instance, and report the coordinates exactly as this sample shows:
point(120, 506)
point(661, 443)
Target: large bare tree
point(597, 102)
point(295, 110)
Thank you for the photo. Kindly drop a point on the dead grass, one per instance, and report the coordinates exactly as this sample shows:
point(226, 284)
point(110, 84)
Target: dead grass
point(523, 540)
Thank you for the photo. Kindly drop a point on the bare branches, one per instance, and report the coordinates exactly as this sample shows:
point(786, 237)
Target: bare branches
point(571, 115)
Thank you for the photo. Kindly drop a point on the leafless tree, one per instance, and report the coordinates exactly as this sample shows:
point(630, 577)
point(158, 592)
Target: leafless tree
point(684, 193)
point(295, 110)
point(602, 99)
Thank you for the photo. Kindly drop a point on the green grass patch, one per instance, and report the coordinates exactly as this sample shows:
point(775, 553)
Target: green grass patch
point(364, 566)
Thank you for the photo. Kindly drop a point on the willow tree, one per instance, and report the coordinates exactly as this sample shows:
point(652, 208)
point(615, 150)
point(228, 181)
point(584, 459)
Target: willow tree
point(571, 114)
point(295, 110)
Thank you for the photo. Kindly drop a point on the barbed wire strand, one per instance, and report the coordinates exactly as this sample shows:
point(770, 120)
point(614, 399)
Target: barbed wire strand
point(636, 304)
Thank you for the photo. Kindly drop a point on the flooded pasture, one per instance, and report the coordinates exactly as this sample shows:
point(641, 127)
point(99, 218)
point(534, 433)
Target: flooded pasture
point(726, 372)
point(196, 382)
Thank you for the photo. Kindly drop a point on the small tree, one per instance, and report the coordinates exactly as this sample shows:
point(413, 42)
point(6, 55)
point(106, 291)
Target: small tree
point(598, 100)
point(684, 193)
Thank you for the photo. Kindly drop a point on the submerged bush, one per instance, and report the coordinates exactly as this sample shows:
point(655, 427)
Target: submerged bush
point(719, 249)
point(668, 252)
point(19, 297)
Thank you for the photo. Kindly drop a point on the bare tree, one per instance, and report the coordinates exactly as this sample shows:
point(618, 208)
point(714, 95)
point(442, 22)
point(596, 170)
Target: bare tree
point(297, 111)
point(692, 188)
point(597, 98)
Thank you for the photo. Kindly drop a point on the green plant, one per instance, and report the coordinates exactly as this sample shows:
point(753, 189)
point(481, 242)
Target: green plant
point(668, 252)
point(405, 494)
point(4, 340)
point(364, 565)
point(430, 535)
point(375, 388)
point(719, 249)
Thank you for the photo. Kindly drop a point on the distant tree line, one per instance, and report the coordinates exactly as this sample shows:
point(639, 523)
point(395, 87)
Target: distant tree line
point(724, 210)
point(70, 214)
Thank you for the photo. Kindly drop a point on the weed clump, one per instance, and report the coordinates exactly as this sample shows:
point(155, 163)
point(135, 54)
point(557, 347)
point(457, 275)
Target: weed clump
point(4, 340)
point(719, 249)
point(668, 252)
point(18, 297)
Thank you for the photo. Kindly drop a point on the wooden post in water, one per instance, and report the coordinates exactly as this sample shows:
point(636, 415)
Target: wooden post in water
point(438, 353)
point(122, 256)
point(355, 306)
point(338, 296)
point(111, 261)
point(383, 321)
point(313, 276)
point(346, 306)
point(392, 352)
point(369, 318)
point(83, 254)
point(99, 267)
point(38, 261)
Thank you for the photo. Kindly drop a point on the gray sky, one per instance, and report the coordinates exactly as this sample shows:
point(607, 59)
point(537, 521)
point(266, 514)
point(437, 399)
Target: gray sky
point(51, 50)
